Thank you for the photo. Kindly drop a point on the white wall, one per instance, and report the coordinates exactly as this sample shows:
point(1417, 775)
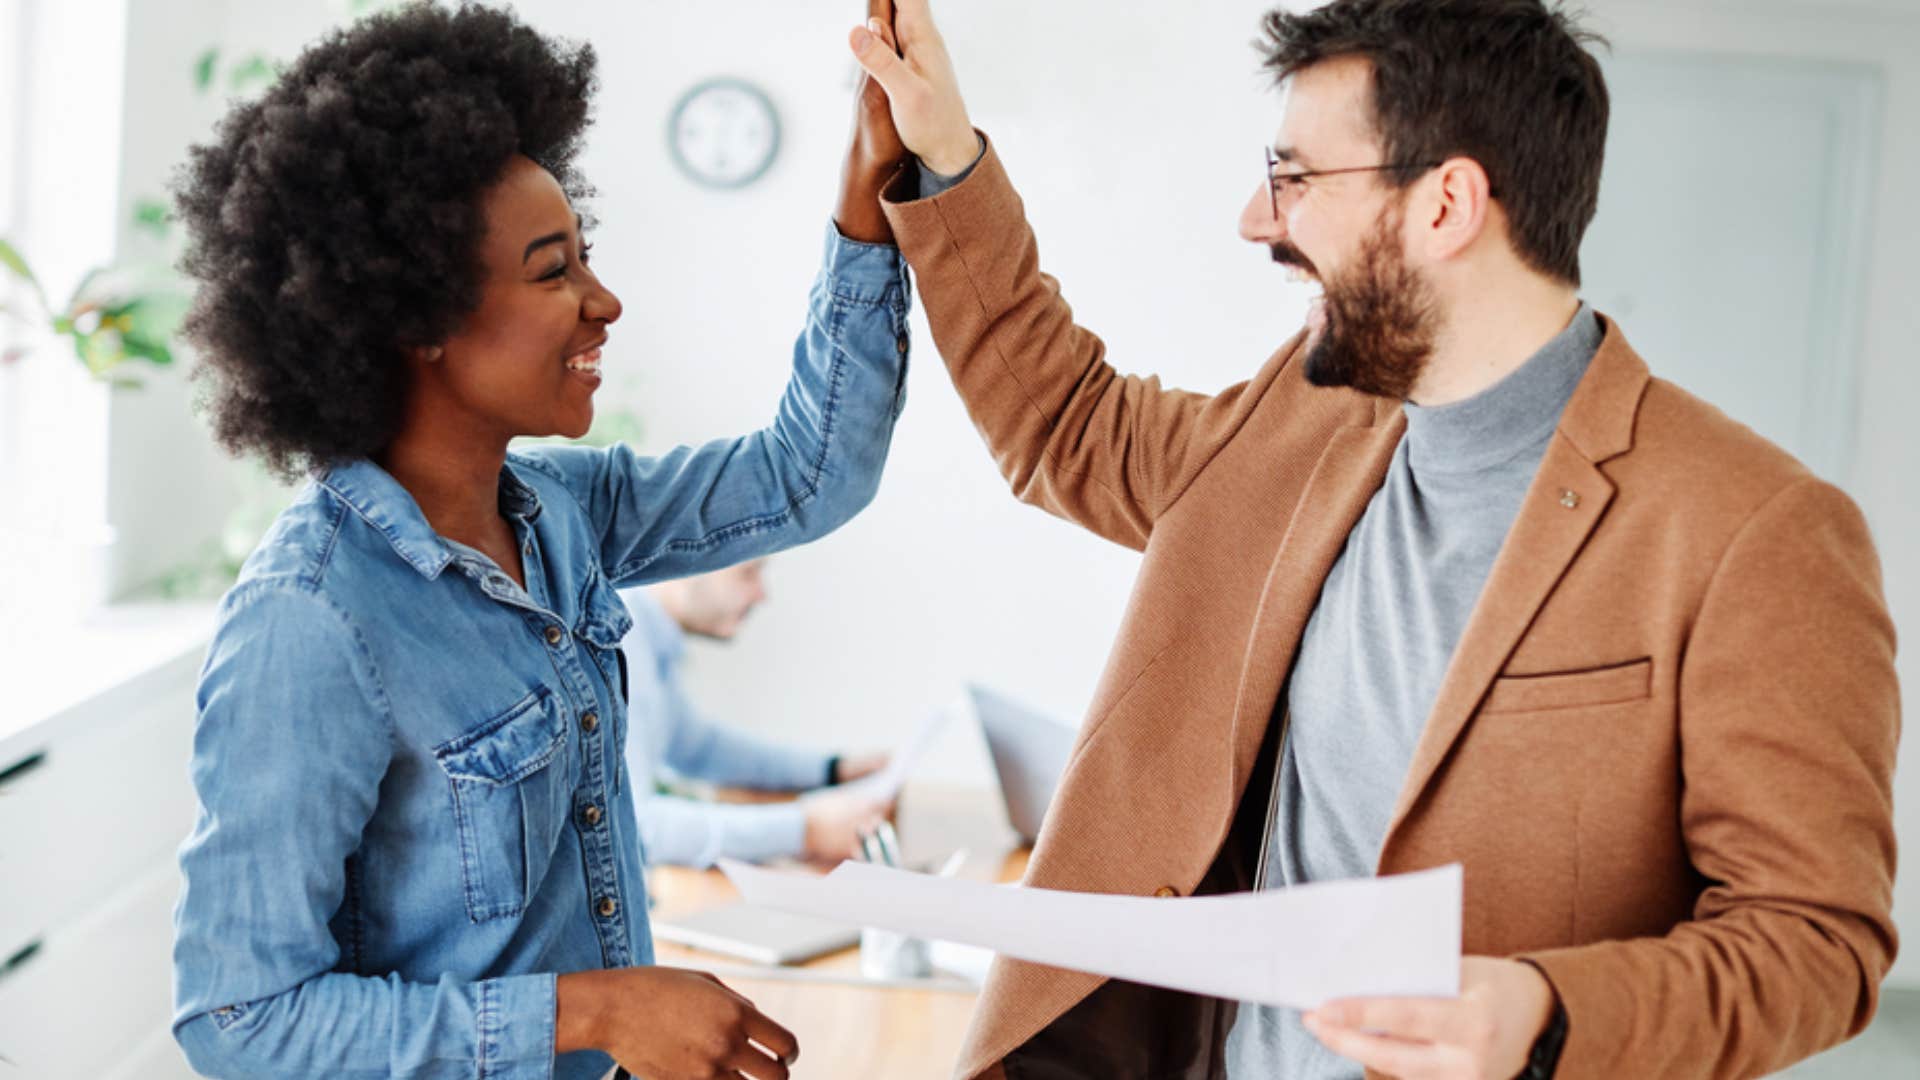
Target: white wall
point(1131, 129)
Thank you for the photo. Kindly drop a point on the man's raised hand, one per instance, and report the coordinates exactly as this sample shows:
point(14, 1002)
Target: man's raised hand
point(921, 89)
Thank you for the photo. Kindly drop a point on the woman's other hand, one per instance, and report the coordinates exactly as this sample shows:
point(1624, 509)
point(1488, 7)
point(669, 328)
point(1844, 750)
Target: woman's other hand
point(669, 1024)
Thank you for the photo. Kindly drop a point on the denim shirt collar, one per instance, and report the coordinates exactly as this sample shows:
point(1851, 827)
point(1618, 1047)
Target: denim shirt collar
point(372, 492)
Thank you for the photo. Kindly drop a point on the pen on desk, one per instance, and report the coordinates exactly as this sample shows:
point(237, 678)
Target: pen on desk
point(953, 864)
point(889, 842)
point(869, 846)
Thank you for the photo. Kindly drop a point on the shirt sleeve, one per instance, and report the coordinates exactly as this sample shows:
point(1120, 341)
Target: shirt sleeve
point(809, 471)
point(933, 183)
point(686, 832)
point(699, 749)
point(292, 740)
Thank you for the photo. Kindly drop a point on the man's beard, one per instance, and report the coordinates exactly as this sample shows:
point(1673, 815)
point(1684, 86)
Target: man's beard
point(1379, 317)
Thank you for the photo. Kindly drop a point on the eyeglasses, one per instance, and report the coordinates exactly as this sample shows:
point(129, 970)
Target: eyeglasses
point(1297, 182)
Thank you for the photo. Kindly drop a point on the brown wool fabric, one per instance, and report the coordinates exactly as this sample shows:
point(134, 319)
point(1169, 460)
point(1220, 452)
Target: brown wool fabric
point(1664, 747)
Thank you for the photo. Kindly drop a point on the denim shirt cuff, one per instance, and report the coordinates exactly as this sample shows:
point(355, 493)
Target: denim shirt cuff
point(859, 271)
point(517, 1032)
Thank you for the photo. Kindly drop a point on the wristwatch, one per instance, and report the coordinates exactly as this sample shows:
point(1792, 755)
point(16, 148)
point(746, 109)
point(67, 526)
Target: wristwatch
point(1545, 1056)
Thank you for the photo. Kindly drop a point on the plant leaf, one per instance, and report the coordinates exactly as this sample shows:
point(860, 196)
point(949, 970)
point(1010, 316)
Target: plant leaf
point(154, 317)
point(134, 347)
point(256, 68)
point(11, 258)
point(151, 215)
point(203, 69)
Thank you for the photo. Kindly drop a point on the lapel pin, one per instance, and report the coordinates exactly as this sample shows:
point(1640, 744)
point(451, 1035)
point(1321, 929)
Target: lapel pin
point(1569, 498)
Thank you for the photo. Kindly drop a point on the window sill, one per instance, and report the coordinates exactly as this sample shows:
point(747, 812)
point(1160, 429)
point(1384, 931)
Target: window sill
point(59, 673)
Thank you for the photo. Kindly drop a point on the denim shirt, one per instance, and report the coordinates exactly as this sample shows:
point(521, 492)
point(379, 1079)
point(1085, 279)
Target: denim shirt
point(413, 810)
point(672, 737)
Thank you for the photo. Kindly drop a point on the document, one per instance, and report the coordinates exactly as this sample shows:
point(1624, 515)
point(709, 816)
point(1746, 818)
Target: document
point(884, 785)
point(1394, 936)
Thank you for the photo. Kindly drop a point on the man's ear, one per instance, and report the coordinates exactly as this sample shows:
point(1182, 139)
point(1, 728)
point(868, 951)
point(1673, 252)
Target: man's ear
point(1458, 206)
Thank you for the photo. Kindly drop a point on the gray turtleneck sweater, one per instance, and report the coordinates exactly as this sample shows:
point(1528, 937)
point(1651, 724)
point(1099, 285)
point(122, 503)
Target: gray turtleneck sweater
point(1379, 641)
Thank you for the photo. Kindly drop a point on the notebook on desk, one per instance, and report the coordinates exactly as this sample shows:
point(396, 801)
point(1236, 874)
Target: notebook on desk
point(757, 934)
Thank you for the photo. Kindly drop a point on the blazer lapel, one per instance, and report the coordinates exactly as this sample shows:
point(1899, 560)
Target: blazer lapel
point(1349, 472)
point(1567, 499)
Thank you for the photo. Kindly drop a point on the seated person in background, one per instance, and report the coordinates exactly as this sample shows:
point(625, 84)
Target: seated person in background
point(669, 735)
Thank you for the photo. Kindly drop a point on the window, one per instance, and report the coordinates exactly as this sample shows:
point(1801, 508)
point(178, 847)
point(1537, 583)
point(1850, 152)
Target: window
point(60, 149)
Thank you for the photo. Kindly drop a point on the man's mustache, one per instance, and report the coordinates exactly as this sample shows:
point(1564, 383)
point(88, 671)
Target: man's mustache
point(1287, 255)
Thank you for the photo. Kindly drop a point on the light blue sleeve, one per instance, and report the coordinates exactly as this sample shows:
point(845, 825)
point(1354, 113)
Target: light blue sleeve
point(815, 466)
point(292, 741)
point(687, 832)
point(699, 749)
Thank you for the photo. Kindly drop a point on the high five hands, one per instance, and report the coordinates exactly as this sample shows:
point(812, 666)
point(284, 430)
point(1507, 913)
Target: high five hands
point(909, 61)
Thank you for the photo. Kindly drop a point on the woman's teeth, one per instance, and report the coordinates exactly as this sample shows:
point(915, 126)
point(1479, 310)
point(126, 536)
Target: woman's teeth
point(587, 362)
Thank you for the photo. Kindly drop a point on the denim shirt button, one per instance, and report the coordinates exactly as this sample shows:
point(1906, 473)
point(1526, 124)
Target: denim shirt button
point(591, 815)
point(589, 720)
point(900, 346)
point(607, 906)
point(554, 635)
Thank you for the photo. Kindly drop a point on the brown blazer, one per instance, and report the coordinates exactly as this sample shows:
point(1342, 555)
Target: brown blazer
point(1663, 750)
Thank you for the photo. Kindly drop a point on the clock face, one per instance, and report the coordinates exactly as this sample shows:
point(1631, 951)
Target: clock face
point(724, 133)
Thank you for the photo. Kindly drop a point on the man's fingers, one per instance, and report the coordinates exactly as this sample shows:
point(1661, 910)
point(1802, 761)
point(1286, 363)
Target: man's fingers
point(880, 62)
point(1424, 1019)
point(883, 30)
point(773, 1037)
point(1381, 1053)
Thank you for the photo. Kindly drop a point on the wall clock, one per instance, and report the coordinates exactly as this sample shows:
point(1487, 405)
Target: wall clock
point(724, 133)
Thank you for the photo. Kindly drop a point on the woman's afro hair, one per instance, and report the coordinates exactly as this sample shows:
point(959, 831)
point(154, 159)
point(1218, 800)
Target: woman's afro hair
point(335, 222)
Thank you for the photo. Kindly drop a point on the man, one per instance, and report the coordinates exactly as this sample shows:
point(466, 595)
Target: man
point(1451, 579)
point(671, 737)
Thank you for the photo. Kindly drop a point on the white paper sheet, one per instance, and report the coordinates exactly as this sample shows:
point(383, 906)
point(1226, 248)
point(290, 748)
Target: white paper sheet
point(1299, 947)
point(885, 784)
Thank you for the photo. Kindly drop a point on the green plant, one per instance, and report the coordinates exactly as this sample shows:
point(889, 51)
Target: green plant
point(115, 316)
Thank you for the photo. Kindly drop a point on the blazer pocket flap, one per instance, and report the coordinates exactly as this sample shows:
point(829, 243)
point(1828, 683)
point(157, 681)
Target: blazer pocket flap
point(509, 747)
point(1629, 681)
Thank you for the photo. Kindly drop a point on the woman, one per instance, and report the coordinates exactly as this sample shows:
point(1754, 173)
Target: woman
point(416, 852)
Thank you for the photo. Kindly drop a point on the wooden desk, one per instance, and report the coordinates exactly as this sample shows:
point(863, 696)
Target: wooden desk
point(850, 1026)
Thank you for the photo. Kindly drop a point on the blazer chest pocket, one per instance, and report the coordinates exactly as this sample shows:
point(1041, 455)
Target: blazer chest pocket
point(509, 802)
point(1613, 684)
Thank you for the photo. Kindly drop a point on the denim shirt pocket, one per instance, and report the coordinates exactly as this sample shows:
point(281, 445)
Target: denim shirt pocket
point(509, 803)
point(603, 625)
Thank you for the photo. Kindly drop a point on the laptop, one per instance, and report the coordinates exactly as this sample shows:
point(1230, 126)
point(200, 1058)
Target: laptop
point(1029, 749)
point(757, 934)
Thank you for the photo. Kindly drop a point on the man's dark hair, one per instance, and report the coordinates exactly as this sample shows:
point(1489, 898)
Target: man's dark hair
point(1508, 83)
point(335, 222)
